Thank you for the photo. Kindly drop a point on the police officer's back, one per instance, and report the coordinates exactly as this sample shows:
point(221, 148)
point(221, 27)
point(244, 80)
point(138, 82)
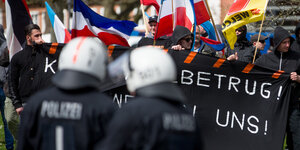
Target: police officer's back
point(156, 119)
point(73, 114)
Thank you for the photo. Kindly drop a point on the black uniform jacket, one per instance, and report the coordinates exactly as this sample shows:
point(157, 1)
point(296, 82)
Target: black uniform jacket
point(71, 120)
point(155, 120)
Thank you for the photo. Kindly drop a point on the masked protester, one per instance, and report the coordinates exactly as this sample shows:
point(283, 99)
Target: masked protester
point(73, 114)
point(241, 46)
point(155, 118)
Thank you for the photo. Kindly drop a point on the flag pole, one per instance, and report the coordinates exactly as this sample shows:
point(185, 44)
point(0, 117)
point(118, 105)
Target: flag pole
point(194, 26)
point(159, 15)
point(173, 15)
point(212, 19)
point(144, 18)
point(262, 22)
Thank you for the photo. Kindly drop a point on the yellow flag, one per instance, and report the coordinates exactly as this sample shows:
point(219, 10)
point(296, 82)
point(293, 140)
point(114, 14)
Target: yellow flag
point(241, 13)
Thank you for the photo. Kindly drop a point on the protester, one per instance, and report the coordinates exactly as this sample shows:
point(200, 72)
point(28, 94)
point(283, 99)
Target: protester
point(160, 121)
point(199, 33)
point(73, 114)
point(149, 39)
point(241, 46)
point(283, 58)
point(23, 68)
point(152, 23)
point(4, 61)
point(258, 45)
point(293, 135)
point(202, 31)
point(200, 46)
point(181, 39)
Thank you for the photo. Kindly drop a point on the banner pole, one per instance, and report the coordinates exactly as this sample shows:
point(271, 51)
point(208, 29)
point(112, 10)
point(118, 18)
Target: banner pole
point(212, 20)
point(144, 18)
point(260, 29)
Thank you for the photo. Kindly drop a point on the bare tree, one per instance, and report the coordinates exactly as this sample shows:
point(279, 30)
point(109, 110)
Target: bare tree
point(284, 13)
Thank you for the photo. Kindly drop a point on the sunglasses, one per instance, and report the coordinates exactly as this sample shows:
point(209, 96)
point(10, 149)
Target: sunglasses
point(240, 30)
point(262, 41)
point(188, 39)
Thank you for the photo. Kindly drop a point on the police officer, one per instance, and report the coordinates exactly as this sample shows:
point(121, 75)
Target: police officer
point(73, 114)
point(155, 118)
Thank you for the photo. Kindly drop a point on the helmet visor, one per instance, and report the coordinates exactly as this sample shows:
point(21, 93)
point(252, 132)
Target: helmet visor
point(116, 68)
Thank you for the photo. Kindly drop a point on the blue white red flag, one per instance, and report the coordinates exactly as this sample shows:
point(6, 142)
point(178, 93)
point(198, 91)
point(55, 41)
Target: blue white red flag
point(61, 33)
point(17, 17)
point(86, 22)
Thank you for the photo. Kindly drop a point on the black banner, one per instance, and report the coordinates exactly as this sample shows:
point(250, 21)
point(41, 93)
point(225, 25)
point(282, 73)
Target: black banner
point(237, 105)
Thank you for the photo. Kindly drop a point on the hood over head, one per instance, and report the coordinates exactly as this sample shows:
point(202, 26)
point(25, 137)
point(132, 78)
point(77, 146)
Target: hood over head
point(179, 33)
point(242, 36)
point(279, 35)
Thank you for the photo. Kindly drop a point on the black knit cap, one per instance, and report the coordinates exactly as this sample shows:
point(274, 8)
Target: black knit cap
point(280, 34)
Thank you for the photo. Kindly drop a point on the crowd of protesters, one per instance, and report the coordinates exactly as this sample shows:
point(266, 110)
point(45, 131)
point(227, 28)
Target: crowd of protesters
point(72, 113)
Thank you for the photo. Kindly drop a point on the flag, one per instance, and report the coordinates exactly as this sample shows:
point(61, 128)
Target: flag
point(86, 22)
point(61, 33)
point(165, 19)
point(183, 15)
point(240, 13)
point(201, 11)
point(217, 45)
point(155, 3)
point(17, 17)
point(208, 27)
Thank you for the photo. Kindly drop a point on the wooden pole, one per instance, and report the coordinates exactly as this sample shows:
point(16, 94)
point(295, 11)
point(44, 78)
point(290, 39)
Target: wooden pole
point(262, 22)
point(212, 20)
point(173, 15)
point(144, 18)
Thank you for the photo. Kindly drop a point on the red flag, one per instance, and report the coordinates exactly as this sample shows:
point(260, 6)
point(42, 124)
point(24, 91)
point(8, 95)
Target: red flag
point(155, 3)
point(200, 11)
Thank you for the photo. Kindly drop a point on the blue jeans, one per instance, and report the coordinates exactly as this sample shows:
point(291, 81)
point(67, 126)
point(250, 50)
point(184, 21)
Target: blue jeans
point(9, 140)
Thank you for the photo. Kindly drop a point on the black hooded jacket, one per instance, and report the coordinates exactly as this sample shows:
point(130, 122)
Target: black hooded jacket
point(156, 119)
point(296, 45)
point(288, 61)
point(242, 46)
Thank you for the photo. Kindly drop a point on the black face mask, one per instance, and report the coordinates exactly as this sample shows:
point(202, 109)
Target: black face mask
point(205, 34)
